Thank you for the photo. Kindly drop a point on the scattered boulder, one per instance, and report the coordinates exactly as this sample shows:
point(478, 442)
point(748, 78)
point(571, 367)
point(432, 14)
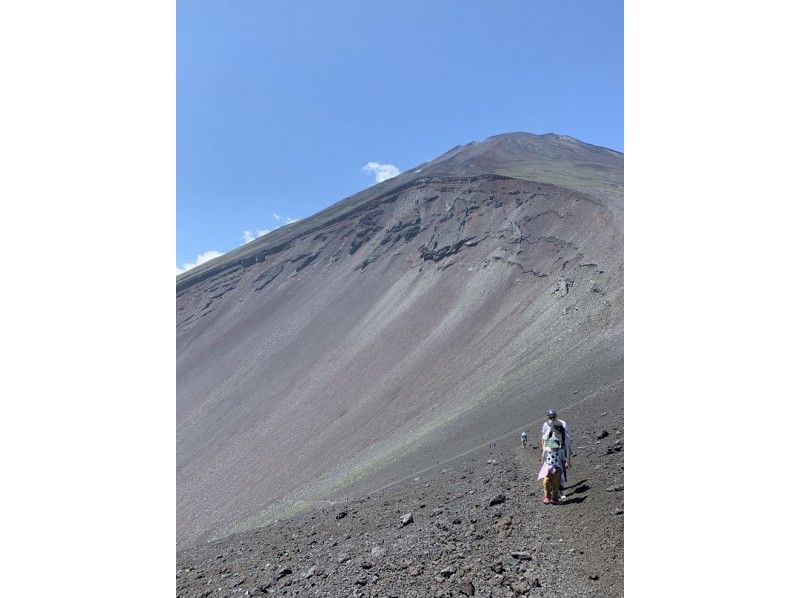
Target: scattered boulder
point(406, 519)
point(530, 575)
point(522, 555)
point(341, 514)
point(602, 435)
point(504, 526)
point(615, 447)
point(497, 500)
point(465, 587)
point(520, 587)
point(595, 288)
point(562, 287)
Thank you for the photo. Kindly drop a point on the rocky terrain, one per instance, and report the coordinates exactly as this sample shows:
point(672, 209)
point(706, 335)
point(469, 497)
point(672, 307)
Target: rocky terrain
point(474, 526)
point(388, 347)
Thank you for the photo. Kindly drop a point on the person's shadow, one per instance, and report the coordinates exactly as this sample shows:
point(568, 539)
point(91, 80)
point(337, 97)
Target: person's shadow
point(573, 500)
point(576, 488)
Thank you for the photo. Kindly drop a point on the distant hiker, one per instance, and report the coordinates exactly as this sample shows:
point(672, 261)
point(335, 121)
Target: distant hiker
point(524, 438)
point(554, 462)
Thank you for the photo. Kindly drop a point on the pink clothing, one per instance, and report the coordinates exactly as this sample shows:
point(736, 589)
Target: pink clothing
point(553, 460)
point(545, 470)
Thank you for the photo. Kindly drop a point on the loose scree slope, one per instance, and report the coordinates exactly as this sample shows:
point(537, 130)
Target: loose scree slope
point(400, 327)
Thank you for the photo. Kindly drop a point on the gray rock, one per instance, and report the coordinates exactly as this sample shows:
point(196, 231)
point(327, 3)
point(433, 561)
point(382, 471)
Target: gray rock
point(465, 587)
point(520, 587)
point(521, 555)
point(377, 552)
point(407, 518)
point(562, 287)
point(497, 500)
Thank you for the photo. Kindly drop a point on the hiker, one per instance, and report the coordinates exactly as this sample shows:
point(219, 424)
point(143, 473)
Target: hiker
point(554, 462)
point(524, 438)
point(552, 417)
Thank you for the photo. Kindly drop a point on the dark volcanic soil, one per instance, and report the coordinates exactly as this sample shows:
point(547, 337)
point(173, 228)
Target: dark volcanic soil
point(479, 528)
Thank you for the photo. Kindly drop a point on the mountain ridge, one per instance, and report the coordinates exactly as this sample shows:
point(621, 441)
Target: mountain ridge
point(401, 325)
point(438, 166)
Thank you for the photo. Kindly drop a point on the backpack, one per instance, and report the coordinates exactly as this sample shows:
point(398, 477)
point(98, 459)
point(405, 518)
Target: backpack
point(553, 443)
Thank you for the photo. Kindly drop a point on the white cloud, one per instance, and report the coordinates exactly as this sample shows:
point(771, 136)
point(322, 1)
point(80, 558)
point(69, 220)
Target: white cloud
point(284, 220)
point(381, 171)
point(248, 236)
point(201, 258)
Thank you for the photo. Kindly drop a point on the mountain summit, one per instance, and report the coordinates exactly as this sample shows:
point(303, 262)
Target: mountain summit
point(400, 327)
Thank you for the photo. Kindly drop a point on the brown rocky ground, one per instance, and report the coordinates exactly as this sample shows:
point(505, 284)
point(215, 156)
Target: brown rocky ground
point(479, 528)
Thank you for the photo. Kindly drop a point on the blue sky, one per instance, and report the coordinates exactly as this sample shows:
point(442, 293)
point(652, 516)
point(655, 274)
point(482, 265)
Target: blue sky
point(281, 105)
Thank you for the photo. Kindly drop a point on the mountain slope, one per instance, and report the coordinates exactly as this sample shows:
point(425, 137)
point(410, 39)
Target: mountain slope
point(401, 326)
point(479, 528)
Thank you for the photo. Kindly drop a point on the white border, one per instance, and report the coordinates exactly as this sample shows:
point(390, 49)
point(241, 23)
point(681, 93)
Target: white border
point(88, 189)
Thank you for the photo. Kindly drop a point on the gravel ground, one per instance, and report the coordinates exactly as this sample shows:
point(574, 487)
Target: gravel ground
point(477, 527)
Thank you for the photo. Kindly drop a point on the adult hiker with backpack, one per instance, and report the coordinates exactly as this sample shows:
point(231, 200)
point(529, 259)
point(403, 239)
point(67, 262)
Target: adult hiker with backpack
point(556, 452)
point(552, 418)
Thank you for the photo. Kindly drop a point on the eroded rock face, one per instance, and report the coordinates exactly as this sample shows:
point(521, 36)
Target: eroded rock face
point(397, 328)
